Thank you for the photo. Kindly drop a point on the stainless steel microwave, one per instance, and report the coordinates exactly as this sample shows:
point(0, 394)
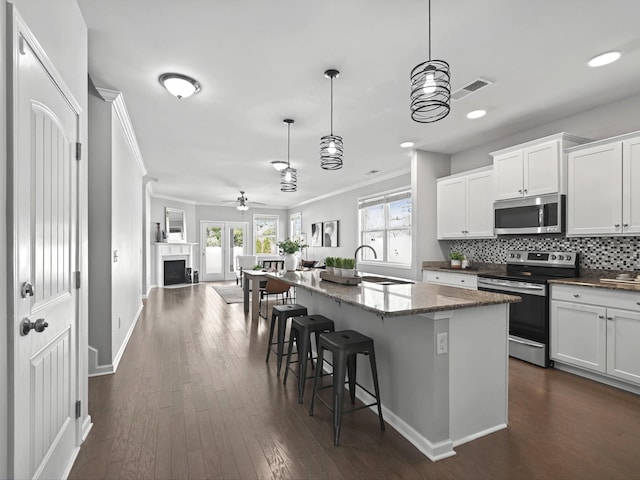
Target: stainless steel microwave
point(527, 216)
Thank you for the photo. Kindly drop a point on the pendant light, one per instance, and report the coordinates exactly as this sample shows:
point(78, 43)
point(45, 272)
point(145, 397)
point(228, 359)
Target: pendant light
point(288, 176)
point(430, 88)
point(331, 145)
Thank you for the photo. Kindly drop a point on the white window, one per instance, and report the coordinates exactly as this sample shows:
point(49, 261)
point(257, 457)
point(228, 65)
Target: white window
point(265, 234)
point(385, 225)
point(295, 226)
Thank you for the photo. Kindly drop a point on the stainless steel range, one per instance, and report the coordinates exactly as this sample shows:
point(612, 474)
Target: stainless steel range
point(527, 276)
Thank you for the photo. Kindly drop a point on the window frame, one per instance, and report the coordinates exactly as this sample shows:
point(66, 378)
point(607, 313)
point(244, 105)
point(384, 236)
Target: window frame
point(256, 218)
point(384, 198)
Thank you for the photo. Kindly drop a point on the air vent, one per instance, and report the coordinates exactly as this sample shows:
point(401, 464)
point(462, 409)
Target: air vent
point(470, 88)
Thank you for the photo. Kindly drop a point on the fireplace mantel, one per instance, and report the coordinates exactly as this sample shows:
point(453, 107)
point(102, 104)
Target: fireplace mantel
point(171, 251)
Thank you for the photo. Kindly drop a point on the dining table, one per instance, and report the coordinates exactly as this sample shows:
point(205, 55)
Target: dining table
point(251, 284)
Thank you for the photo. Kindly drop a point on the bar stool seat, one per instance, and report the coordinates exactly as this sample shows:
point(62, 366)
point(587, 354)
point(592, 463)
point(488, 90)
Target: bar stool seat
point(281, 313)
point(301, 330)
point(344, 346)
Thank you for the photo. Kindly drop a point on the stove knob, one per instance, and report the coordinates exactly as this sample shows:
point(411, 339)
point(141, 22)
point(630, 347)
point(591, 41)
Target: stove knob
point(568, 257)
point(511, 255)
point(560, 257)
point(553, 257)
point(517, 255)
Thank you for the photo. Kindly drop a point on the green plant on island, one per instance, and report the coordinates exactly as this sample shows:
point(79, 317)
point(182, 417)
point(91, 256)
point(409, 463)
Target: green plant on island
point(291, 246)
point(456, 256)
point(330, 262)
point(257, 267)
point(349, 263)
point(337, 262)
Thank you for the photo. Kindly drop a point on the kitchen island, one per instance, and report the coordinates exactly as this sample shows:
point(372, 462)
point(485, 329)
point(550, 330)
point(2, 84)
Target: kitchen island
point(442, 354)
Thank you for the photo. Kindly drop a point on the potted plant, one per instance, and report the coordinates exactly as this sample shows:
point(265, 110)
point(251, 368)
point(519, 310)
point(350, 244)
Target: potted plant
point(329, 263)
point(348, 267)
point(290, 248)
point(337, 266)
point(456, 259)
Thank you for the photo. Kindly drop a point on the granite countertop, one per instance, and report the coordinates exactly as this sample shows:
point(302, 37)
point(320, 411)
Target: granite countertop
point(395, 300)
point(597, 283)
point(475, 269)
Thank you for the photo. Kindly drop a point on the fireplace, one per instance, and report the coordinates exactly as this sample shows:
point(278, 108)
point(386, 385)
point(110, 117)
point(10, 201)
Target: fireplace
point(174, 271)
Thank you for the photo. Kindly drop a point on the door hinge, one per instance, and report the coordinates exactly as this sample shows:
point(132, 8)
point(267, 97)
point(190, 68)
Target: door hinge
point(77, 279)
point(78, 151)
point(78, 408)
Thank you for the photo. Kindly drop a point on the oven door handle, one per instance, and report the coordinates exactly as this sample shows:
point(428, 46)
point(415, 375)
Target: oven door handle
point(525, 286)
point(528, 344)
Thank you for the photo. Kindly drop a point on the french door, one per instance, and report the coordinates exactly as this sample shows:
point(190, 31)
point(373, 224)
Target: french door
point(220, 244)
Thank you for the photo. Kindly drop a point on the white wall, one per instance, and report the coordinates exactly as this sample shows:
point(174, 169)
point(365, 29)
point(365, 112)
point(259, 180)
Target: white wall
point(426, 168)
point(344, 208)
point(4, 311)
point(606, 121)
point(60, 29)
point(126, 236)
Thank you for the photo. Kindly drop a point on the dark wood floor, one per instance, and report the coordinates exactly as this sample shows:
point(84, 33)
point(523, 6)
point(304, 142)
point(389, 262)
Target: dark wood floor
point(193, 398)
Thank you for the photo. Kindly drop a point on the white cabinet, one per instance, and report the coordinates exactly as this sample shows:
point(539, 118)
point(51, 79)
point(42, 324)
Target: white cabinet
point(465, 205)
point(596, 329)
point(532, 169)
point(452, 279)
point(604, 188)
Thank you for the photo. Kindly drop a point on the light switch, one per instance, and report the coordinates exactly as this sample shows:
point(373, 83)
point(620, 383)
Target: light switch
point(115, 256)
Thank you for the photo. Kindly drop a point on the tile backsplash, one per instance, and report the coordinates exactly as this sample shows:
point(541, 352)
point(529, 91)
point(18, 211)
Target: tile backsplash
point(606, 253)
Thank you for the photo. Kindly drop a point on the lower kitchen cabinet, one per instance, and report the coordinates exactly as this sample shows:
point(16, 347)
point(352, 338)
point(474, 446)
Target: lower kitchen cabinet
point(597, 329)
point(452, 279)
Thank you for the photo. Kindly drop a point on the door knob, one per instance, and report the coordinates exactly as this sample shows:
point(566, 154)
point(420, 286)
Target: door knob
point(27, 290)
point(27, 325)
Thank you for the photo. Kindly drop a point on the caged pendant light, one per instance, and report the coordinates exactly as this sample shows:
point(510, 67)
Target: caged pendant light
point(430, 88)
point(288, 176)
point(331, 145)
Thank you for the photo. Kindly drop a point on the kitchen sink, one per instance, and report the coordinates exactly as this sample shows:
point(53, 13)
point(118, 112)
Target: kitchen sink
point(385, 280)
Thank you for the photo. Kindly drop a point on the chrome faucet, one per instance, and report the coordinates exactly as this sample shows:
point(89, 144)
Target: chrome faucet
point(355, 255)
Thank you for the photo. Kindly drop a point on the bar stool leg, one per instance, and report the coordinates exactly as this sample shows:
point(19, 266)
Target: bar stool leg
point(316, 380)
point(374, 374)
point(282, 329)
point(292, 336)
point(351, 370)
point(271, 330)
point(304, 350)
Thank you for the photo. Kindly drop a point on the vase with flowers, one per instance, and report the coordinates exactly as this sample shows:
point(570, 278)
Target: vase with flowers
point(290, 248)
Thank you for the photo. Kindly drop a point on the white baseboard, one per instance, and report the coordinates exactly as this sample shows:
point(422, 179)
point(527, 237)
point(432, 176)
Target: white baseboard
point(612, 382)
point(435, 452)
point(125, 342)
point(95, 369)
point(69, 466)
point(87, 425)
point(476, 435)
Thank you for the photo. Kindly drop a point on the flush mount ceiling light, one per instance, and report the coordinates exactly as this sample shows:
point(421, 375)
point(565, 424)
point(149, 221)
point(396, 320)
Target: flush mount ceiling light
point(430, 88)
point(407, 144)
point(179, 85)
point(476, 114)
point(331, 145)
point(279, 164)
point(288, 176)
point(604, 59)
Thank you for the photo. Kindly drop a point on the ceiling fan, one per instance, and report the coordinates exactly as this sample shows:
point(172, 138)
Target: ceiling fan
point(243, 202)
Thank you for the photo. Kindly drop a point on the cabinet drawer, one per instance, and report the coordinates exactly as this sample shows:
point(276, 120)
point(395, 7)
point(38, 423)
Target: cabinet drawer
point(462, 280)
point(604, 297)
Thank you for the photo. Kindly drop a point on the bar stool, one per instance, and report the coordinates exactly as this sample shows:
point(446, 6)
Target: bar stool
point(344, 346)
point(301, 330)
point(281, 313)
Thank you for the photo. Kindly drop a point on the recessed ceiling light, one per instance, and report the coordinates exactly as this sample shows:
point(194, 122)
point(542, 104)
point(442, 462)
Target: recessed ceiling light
point(476, 114)
point(179, 85)
point(407, 144)
point(604, 59)
point(279, 164)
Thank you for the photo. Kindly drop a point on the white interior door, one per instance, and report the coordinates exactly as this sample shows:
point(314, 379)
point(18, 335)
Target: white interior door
point(44, 132)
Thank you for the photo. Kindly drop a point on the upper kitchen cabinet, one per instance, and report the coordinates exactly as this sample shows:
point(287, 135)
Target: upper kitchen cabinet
point(604, 187)
point(465, 205)
point(533, 168)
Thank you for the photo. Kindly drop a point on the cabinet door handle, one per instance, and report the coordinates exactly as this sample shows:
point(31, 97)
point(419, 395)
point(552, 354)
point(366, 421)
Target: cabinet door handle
point(576, 295)
point(600, 316)
point(617, 225)
point(609, 318)
point(519, 191)
point(462, 281)
point(625, 225)
point(526, 191)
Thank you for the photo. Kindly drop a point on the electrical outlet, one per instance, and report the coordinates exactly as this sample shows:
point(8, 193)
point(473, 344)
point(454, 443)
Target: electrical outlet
point(441, 343)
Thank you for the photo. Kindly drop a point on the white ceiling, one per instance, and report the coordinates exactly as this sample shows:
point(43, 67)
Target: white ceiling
point(261, 61)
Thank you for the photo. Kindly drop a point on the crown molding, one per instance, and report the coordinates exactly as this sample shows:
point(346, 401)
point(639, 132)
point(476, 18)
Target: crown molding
point(174, 199)
point(116, 98)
